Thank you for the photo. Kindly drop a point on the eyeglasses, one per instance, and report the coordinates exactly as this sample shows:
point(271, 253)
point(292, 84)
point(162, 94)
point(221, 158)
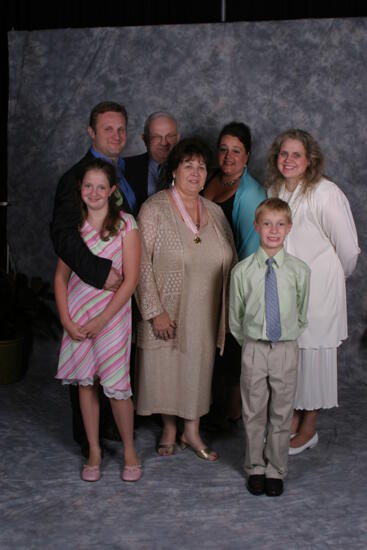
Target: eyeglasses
point(159, 139)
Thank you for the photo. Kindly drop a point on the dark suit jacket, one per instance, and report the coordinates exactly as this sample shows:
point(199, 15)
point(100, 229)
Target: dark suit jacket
point(136, 173)
point(68, 243)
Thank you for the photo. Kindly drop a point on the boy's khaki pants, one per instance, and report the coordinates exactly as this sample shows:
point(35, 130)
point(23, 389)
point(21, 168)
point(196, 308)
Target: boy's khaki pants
point(268, 386)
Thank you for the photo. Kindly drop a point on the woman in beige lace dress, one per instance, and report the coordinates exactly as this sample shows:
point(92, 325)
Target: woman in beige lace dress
point(187, 254)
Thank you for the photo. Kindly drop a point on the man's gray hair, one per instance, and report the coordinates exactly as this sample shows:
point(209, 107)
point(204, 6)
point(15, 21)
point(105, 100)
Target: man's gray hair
point(153, 116)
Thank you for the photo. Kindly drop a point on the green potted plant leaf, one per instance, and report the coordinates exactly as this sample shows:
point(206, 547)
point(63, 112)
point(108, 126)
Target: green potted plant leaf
point(24, 314)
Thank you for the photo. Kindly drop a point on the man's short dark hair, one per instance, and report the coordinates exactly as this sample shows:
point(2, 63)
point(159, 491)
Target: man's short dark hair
point(105, 107)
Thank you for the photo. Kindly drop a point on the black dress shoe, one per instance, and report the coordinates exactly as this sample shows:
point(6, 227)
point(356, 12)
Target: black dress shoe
point(256, 484)
point(273, 487)
point(110, 432)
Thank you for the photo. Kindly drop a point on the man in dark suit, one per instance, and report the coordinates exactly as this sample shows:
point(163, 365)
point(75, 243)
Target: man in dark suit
point(107, 130)
point(144, 172)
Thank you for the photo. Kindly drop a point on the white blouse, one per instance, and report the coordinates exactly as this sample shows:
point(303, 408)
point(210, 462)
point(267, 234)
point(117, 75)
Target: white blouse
point(325, 237)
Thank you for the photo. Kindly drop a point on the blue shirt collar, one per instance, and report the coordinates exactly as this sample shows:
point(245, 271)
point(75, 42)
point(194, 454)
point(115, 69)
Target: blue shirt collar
point(98, 155)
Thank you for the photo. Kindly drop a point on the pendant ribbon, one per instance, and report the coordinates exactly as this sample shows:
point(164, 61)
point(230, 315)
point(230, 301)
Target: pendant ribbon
point(186, 217)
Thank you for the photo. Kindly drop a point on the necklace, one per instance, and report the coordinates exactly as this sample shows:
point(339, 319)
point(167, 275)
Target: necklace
point(185, 216)
point(229, 183)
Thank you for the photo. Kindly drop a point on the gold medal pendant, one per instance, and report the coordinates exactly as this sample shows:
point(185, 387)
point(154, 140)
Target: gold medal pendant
point(197, 239)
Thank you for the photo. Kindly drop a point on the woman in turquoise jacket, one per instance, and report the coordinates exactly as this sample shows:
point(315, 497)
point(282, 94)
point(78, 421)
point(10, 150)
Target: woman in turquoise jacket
point(238, 193)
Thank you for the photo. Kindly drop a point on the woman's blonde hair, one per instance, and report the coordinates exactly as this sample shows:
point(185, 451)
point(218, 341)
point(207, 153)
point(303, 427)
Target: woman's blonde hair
point(314, 155)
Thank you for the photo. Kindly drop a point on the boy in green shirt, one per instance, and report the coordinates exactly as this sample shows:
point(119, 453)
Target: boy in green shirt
point(267, 312)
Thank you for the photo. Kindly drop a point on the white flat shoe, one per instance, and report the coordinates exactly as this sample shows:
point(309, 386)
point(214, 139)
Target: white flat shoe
point(309, 445)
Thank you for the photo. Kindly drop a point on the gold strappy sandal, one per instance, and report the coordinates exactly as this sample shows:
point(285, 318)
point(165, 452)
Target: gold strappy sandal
point(168, 447)
point(205, 453)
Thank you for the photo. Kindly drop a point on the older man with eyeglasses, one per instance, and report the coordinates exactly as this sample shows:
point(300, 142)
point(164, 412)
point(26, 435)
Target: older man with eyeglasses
point(144, 172)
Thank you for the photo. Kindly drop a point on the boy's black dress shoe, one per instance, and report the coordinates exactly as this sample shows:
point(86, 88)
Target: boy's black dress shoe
point(256, 484)
point(273, 487)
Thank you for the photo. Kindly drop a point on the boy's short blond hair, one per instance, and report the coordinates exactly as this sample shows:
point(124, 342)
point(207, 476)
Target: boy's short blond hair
point(275, 205)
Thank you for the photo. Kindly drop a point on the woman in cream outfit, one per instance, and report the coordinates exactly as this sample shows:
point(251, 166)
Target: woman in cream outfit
point(324, 236)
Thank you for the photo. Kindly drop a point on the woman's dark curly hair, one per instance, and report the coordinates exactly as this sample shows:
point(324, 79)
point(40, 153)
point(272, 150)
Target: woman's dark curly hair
point(188, 148)
point(240, 130)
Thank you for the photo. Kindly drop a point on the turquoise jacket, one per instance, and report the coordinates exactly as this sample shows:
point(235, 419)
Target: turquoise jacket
point(248, 196)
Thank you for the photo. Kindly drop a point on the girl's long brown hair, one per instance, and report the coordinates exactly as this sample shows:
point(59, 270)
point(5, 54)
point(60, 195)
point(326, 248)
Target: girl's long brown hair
point(112, 221)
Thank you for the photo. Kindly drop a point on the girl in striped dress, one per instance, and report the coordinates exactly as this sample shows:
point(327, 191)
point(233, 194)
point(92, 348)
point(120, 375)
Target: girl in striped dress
point(97, 323)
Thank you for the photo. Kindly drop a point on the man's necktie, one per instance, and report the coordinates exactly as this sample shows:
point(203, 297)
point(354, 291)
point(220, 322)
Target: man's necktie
point(273, 328)
point(125, 186)
point(154, 178)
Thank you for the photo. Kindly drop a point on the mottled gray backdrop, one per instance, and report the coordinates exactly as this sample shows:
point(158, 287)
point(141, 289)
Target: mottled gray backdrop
point(309, 74)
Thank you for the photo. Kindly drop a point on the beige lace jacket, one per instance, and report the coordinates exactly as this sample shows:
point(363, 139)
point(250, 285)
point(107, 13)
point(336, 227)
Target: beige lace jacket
point(161, 284)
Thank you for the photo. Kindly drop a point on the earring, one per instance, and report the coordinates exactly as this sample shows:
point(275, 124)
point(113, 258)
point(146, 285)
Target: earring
point(173, 180)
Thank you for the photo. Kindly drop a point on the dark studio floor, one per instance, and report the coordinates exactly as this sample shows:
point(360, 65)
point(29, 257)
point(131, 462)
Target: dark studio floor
point(182, 501)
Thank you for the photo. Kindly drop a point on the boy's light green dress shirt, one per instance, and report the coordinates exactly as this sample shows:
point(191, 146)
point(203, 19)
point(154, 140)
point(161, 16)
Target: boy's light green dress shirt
point(247, 296)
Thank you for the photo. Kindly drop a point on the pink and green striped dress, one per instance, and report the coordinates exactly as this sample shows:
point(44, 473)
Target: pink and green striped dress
point(106, 357)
